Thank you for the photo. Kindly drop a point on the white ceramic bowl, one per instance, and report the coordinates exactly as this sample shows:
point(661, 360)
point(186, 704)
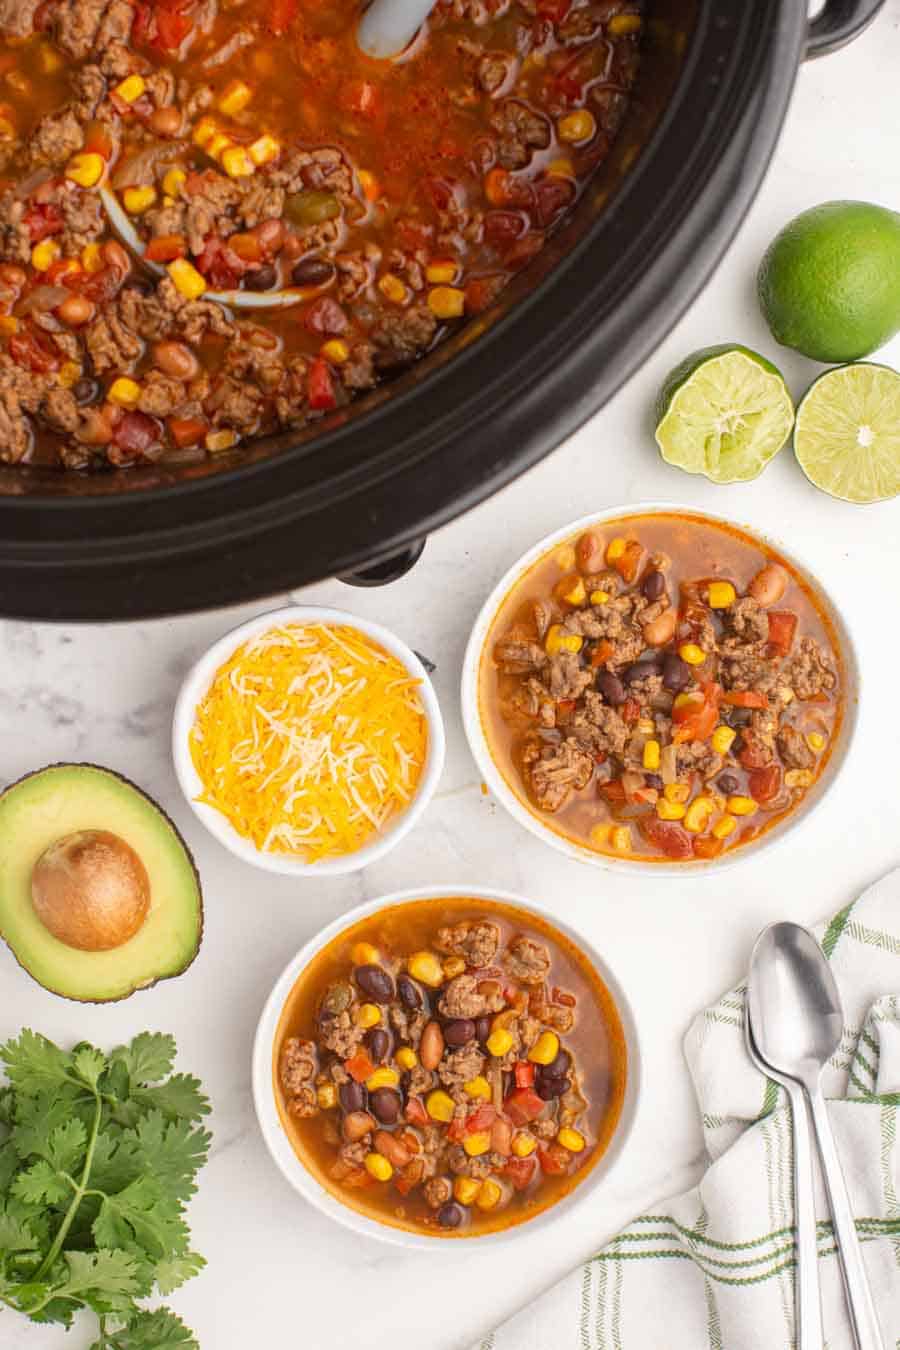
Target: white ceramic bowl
point(197, 683)
point(480, 746)
point(303, 1181)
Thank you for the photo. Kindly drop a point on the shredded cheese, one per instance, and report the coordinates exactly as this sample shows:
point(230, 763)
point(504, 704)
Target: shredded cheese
point(309, 740)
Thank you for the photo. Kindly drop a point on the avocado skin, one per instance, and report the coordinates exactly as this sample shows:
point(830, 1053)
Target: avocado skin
point(188, 857)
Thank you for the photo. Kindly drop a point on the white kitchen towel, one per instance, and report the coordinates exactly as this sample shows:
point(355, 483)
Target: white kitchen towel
point(714, 1269)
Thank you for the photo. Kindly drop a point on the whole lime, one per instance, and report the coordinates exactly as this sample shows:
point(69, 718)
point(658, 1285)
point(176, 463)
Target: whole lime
point(829, 284)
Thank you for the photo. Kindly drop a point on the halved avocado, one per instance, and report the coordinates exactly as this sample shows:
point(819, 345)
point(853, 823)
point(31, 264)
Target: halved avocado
point(99, 895)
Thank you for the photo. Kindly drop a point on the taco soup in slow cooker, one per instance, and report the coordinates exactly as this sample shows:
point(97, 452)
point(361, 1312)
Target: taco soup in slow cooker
point(450, 1066)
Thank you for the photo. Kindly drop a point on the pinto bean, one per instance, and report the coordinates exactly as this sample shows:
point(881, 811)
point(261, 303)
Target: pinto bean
point(76, 311)
point(176, 359)
point(270, 234)
point(501, 1137)
point(661, 630)
point(357, 1125)
point(431, 1046)
point(165, 121)
point(391, 1148)
point(586, 550)
point(114, 255)
point(769, 585)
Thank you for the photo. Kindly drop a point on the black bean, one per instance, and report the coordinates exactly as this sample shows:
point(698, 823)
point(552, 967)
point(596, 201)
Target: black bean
point(312, 272)
point(460, 1031)
point(261, 278)
point(385, 1103)
point(676, 673)
point(653, 780)
point(378, 1042)
point(728, 783)
point(450, 1215)
point(653, 585)
point(548, 1088)
point(409, 991)
point(560, 1066)
point(482, 1028)
point(640, 671)
point(611, 687)
point(352, 1095)
point(86, 392)
point(375, 982)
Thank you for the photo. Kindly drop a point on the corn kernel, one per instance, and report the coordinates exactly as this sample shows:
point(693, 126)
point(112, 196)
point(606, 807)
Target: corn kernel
point(173, 181)
point(565, 558)
point(646, 725)
point(364, 954)
point(667, 810)
point(571, 589)
point(692, 654)
point(545, 1048)
point(9, 324)
point(478, 1088)
point(336, 351)
point(441, 271)
point(393, 289)
point(235, 98)
point(623, 25)
point(86, 170)
point(124, 392)
point(651, 756)
point(600, 835)
point(477, 1143)
point(499, 1042)
point(377, 1165)
point(798, 778)
point(367, 1015)
point(237, 163)
point(816, 742)
point(447, 302)
point(571, 1139)
point(557, 641)
point(217, 441)
point(44, 255)
point(561, 168)
point(615, 549)
point(696, 818)
point(204, 132)
point(721, 594)
point(439, 1105)
point(490, 1193)
point(576, 126)
point(676, 792)
point(724, 827)
point(327, 1096)
point(406, 1057)
point(131, 88)
point(187, 279)
point(722, 739)
point(136, 200)
point(68, 373)
point(383, 1077)
point(453, 966)
point(621, 839)
point(742, 806)
point(426, 967)
point(264, 150)
point(599, 597)
point(523, 1144)
point(92, 258)
point(465, 1189)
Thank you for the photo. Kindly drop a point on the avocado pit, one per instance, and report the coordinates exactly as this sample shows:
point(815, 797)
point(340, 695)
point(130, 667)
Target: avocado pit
point(91, 891)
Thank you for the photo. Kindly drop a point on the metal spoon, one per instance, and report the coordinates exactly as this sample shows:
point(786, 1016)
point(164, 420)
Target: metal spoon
point(807, 1296)
point(797, 1022)
point(389, 26)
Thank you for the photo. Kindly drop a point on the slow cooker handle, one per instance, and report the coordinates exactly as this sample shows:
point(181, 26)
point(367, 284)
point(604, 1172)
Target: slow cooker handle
point(839, 22)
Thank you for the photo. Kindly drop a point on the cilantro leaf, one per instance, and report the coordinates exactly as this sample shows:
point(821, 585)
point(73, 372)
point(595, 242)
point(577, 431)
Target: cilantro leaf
point(115, 1163)
point(66, 1145)
point(142, 1215)
point(160, 1330)
point(181, 1097)
point(36, 1119)
point(35, 1065)
point(171, 1152)
point(15, 1235)
point(99, 1273)
point(149, 1057)
point(40, 1184)
point(88, 1063)
point(173, 1271)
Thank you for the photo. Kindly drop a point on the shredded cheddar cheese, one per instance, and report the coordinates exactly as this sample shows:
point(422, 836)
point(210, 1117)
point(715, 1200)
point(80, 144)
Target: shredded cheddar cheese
point(309, 739)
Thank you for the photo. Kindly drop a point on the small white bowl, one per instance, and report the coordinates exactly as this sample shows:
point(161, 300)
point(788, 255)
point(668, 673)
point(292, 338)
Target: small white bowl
point(194, 689)
point(480, 746)
point(303, 1181)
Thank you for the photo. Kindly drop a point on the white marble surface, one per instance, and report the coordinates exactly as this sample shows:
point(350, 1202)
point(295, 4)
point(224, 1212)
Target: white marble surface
point(278, 1272)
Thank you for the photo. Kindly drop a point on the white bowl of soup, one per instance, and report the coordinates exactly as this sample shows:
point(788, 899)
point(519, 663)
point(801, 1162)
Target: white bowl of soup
point(446, 1064)
point(659, 687)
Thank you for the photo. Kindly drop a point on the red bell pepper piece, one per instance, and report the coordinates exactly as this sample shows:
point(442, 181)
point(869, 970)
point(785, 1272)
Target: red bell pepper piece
point(282, 14)
point(360, 1067)
point(554, 1160)
point(26, 350)
point(41, 220)
point(523, 1105)
point(187, 430)
point(613, 790)
point(320, 388)
point(697, 719)
point(520, 1171)
point(764, 784)
point(166, 248)
point(707, 846)
point(782, 627)
point(482, 1118)
point(524, 1073)
point(745, 698)
point(415, 1111)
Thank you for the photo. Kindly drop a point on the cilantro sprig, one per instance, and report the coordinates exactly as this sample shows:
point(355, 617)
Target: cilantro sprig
point(98, 1158)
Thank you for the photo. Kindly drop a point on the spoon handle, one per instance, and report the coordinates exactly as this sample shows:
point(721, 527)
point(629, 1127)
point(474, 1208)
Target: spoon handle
point(866, 1330)
point(809, 1334)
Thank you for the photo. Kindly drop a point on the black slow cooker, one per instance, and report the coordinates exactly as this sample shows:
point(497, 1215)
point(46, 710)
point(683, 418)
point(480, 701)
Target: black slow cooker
point(356, 495)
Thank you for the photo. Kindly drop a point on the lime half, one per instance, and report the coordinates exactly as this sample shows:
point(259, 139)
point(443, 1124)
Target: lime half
point(847, 437)
point(724, 412)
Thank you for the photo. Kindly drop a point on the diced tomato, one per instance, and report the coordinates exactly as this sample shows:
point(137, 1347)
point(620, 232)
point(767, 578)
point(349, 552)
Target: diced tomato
point(707, 846)
point(360, 1067)
point(186, 430)
point(220, 264)
point(554, 10)
point(415, 1111)
point(764, 784)
point(457, 1130)
point(98, 140)
point(555, 1160)
point(782, 627)
point(324, 317)
point(602, 652)
point(565, 708)
point(668, 836)
point(43, 16)
point(41, 220)
point(282, 14)
point(613, 790)
point(502, 227)
point(753, 754)
point(166, 248)
point(523, 1105)
point(745, 698)
point(630, 711)
point(482, 1118)
point(520, 1171)
point(524, 1073)
point(142, 24)
point(554, 194)
point(135, 433)
point(481, 292)
point(27, 350)
point(171, 29)
point(320, 388)
point(57, 272)
point(696, 719)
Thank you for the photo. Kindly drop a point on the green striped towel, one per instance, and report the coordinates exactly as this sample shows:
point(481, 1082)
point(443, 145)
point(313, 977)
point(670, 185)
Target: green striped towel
point(713, 1269)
